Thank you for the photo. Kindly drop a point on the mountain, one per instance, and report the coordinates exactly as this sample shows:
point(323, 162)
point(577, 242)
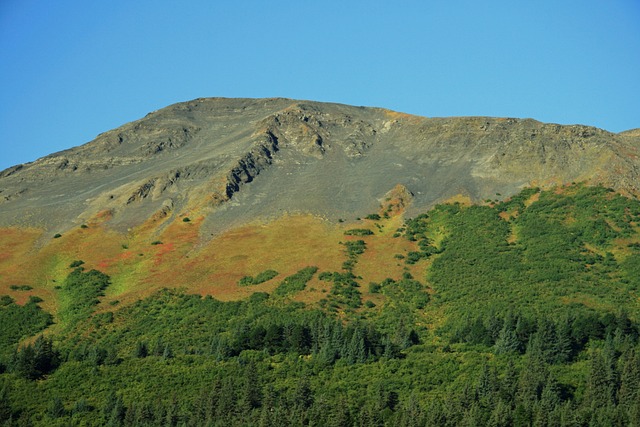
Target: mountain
point(237, 160)
point(233, 262)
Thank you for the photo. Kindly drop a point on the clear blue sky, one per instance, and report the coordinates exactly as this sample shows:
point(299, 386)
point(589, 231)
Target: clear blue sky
point(70, 69)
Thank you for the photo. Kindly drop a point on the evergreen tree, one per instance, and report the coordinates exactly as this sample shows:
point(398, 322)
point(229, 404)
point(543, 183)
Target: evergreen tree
point(158, 348)
point(226, 402)
point(562, 346)
point(167, 353)
point(355, 351)
point(507, 342)
point(532, 376)
point(141, 350)
point(487, 385)
point(599, 392)
point(501, 415)
point(32, 362)
point(303, 395)
point(629, 391)
point(56, 408)
point(339, 415)
point(251, 391)
point(5, 404)
point(46, 358)
point(509, 384)
point(273, 338)
point(473, 417)
point(411, 409)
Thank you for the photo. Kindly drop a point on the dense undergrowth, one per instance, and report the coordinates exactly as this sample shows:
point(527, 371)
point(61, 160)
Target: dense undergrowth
point(526, 314)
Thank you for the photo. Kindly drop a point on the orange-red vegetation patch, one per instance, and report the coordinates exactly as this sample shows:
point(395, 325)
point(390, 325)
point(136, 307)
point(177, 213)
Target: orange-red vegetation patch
point(183, 233)
point(101, 217)
point(16, 247)
point(20, 266)
point(316, 290)
point(285, 245)
point(378, 262)
point(150, 226)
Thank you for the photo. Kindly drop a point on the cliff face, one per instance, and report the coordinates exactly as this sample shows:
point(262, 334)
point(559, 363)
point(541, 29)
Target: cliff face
point(235, 160)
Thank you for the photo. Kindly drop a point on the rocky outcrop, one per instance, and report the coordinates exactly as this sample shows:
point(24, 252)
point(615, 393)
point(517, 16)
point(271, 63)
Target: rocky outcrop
point(252, 163)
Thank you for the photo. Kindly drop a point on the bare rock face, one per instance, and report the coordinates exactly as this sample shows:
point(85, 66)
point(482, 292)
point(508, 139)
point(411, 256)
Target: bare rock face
point(235, 160)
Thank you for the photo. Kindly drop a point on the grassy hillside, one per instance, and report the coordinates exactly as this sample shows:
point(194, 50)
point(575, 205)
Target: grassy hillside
point(522, 312)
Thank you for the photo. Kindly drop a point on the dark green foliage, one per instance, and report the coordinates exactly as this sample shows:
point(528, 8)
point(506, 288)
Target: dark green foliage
point(358, 232)
point(34, 299)
point(549, 259)
point(19, 322)
point(264, 276)
point(56, 408)
point(355, 247)
point(156, 242)
point(374, 217)
point(34, 361)
point(344, 292)
point(57, 236)
point(76, 264)
point(80, 294)
point(416, 228)
point(530, 320)
point(186, 219)
point(296, 282)
point(20, 287)
point(260, 278)
point(406, 290)
point(374, 288)
point(5, 403)
point(142, 350)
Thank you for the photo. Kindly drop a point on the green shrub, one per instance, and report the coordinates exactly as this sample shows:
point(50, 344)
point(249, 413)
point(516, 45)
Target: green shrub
point(262, 277)
point(6, 300)
point(358, 232)
point(245, 281)
point(20, 287)
point(356, 247)
point(296, 282)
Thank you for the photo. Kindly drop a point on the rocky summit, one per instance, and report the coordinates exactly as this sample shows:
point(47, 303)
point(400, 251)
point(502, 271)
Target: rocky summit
point(237, 160)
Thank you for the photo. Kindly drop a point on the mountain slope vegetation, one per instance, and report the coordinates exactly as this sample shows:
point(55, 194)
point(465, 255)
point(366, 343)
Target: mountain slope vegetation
point(516, 312)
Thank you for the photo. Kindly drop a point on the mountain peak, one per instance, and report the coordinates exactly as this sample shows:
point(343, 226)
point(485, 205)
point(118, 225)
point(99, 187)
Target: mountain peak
point(235, 160)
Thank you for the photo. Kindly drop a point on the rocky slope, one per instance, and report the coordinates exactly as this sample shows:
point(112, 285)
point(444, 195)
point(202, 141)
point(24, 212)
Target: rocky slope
point(236, 160)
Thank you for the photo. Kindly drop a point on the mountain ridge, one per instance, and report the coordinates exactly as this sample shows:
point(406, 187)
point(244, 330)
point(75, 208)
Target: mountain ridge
point(332, 160)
